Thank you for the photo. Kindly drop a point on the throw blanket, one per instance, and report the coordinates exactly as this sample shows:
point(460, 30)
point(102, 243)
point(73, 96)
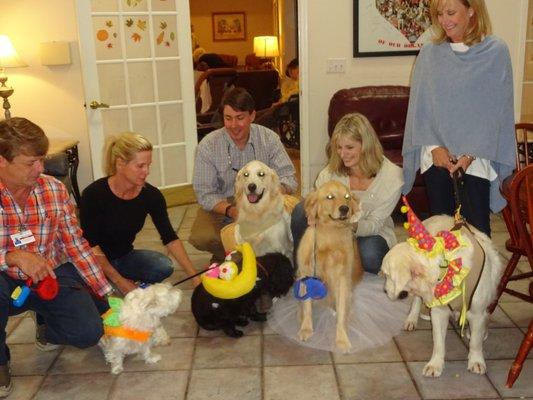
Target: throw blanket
point(464, 102)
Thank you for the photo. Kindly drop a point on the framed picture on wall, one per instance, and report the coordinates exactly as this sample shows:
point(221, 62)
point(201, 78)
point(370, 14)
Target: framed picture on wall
point(390, 27)
point(229, 26)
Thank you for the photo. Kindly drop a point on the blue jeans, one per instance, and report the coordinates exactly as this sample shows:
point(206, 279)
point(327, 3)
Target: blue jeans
point(73, 317)
point(371, 248)
point(144, 266)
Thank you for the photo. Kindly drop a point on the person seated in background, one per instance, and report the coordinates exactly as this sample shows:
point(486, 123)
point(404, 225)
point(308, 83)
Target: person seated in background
point(289, 84)
point(113, 210)
point(204, 61)
point(356, 159)
point(219, 157)
point(40, 239)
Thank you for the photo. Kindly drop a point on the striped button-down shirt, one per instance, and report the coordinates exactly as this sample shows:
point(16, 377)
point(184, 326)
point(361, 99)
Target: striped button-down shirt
point(218, 160)
point(49, 215)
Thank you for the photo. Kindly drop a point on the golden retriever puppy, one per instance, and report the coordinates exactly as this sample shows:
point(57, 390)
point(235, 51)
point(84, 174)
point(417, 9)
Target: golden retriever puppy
point(409, 271)
point(262, 221)
point(329, 251)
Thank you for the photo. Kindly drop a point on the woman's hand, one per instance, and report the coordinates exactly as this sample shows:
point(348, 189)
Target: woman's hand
point(463, 162)
point(443, 158)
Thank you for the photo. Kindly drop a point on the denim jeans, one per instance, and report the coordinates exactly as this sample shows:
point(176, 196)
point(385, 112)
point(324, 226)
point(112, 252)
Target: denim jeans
point(371, 248)
point(144, 266)
point(72, 317)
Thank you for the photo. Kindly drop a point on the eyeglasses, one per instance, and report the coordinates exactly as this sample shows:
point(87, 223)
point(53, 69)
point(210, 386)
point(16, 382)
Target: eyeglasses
point(229, 158)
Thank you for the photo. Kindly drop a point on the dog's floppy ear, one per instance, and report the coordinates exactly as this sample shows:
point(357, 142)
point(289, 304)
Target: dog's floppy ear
point(311, 207)
point(239, 186)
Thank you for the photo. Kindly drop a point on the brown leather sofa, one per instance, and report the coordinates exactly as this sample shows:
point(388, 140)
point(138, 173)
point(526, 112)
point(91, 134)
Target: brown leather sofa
point(386, 109)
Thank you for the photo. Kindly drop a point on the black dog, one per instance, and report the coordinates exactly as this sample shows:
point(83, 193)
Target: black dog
point(275, 277)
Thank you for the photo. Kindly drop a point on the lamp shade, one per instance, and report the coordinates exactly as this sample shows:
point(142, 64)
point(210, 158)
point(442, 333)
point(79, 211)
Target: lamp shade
point(266, 46)
point(8, 55)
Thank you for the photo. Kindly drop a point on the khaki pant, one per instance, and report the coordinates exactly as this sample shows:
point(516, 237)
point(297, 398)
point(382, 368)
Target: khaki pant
point(205, 233)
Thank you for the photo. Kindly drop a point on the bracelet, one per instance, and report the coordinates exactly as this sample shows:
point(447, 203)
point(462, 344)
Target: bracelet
point(227, 209)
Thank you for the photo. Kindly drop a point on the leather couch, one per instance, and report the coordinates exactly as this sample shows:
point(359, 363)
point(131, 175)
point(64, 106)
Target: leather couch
point(386, 109)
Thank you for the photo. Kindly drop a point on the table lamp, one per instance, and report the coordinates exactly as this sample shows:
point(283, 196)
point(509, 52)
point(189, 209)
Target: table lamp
point(8, 59)
point(266, 47)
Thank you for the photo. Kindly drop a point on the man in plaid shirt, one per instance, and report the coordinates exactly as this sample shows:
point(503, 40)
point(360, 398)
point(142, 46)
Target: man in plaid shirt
point(40, 237)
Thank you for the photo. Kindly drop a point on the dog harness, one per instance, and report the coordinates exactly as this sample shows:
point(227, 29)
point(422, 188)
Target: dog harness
point(112, 326)
point(457, 282)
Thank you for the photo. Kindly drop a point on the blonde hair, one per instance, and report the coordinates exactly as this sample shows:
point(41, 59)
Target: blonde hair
point(478, 28)
point(356, 127)
point(123, 146)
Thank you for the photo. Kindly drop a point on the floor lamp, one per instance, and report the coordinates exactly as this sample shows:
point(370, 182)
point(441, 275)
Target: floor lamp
point(8, 59)
point(266, 47)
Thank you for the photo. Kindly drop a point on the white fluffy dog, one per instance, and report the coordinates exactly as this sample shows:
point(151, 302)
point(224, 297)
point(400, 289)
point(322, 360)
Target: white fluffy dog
point(409, 270)
point(263, 221)
point(140, 325)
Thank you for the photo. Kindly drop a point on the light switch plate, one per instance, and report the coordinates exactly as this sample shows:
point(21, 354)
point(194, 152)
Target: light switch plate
point(336, 66)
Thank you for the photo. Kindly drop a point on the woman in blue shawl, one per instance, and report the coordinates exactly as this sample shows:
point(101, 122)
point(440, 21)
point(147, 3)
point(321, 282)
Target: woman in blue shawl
point(461, 113)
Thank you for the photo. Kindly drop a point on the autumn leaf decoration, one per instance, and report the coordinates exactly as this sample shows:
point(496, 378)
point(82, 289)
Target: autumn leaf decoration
point(160, 37)
point(109, 24)
point(141, 24)
point(129, 22)
point(163, 25)
point(136, 37)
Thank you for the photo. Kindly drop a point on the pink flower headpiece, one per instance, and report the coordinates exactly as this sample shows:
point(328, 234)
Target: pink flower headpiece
point(416, 229)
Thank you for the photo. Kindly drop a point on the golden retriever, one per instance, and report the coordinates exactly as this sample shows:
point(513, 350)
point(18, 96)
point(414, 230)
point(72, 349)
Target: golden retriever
point(329, 251)
point(262, 219)
point(408, 271)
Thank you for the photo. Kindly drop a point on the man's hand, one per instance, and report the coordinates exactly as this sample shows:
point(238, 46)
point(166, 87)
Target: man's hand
point(125, 285)
point(443, 158)
point(32, 264)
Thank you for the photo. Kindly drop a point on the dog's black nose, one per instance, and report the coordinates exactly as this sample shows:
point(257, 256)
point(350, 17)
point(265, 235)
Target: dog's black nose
point(344, 209)
point(252, 187)
point(403, 294)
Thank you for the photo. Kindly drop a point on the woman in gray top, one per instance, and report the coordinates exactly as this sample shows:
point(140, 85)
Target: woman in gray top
point(461, 113)
point(356, 159)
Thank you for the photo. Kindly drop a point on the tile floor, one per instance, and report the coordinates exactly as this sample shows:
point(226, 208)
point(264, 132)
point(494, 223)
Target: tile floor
point(201, 365)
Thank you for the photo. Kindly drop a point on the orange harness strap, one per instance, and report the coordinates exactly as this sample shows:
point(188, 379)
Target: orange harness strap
point(139, 336)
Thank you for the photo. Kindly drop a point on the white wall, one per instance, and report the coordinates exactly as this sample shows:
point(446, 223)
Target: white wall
point(330, 35)
point(52, 96)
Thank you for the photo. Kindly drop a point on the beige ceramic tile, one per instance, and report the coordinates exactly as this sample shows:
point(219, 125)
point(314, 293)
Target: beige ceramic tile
point(456, 382)
point(178, 355)
point(77, 361)
point(25, 387)
point(278, 350)
point(26, 359)
point(316, 382)
point(521, 313)
point(523, 387)
point(367, 381)
point(386, 353)
point(23, 333)
point(225, 384)
point(418, 346)
point(185, 304)
point(180, 324)
point(167, 385)
point(79, 387)
point(225, 352)
point(503, 343)
point(498, 319)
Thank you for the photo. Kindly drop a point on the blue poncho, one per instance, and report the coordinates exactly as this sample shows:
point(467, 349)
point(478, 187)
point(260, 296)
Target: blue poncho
point(464, 102)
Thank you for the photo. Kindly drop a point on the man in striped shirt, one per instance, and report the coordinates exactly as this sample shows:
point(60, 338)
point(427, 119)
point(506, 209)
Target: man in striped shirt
point(40, 237)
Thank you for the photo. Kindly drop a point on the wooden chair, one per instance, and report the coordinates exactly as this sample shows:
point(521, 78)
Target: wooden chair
point(518, 215)
point(523, 351)
point(524, 145)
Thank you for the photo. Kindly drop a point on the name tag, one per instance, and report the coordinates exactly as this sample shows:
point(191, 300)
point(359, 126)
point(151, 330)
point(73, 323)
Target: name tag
point(22, 238)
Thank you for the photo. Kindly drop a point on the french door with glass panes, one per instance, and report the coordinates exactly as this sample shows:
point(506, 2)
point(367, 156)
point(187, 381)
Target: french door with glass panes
point(137, 69)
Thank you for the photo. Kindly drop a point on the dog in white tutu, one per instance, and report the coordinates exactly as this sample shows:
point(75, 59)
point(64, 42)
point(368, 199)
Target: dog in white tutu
point(133, 325)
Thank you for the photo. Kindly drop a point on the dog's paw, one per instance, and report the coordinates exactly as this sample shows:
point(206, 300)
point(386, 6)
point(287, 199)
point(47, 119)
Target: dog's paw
point(117, 369)
point(232, 332)
point(152, 358)
point(343, 344)
point(305, 333)
point(477, 365)
point(410, 324)
point(432, 370)
point(161, 338)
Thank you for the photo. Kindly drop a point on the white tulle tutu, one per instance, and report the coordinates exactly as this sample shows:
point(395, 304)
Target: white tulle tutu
point(374, 319)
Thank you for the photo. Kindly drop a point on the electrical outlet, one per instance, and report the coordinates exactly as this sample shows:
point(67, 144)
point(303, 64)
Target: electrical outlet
point(336, 66)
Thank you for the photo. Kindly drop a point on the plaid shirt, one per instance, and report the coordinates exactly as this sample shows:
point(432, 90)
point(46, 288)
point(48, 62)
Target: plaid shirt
point(49, 215)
